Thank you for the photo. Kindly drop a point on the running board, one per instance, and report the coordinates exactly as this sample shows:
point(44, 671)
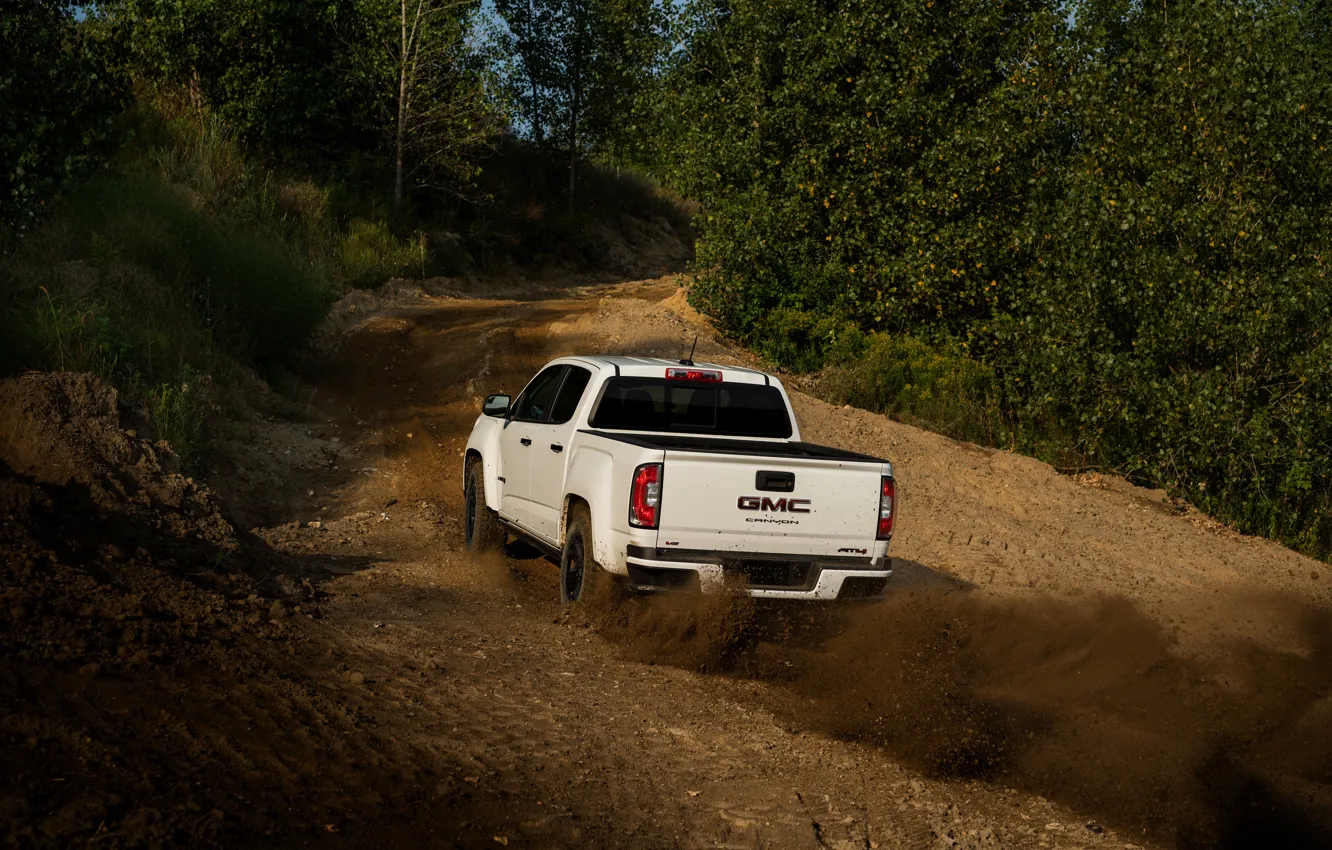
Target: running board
point(530, 538)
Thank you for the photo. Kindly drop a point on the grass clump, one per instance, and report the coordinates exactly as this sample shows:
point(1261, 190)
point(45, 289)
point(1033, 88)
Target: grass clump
point(917, 383)
point(369, 254)
point(178, 414)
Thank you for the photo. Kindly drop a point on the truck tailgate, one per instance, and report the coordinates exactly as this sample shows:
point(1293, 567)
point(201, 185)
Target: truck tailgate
point(713, 502)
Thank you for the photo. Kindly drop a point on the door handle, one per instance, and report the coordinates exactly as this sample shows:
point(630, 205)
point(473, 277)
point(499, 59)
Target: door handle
point(556, 447)
point(526, 441)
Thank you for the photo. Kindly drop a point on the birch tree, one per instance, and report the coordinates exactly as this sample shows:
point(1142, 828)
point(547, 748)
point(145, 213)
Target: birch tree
point(576, 69)
point(527, 41)
point(441, 117)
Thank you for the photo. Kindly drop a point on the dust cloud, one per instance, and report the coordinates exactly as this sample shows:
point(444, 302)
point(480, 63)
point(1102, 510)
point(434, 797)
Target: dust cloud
point(705, 632)
point(1086, 702)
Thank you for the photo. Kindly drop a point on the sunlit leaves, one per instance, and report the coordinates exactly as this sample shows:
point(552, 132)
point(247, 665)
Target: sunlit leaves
point(1129, 219)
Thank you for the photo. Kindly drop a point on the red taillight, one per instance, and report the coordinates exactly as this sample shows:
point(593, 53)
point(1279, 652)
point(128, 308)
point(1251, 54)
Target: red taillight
point(887, 503)
point(645, 496)
point(678, 374)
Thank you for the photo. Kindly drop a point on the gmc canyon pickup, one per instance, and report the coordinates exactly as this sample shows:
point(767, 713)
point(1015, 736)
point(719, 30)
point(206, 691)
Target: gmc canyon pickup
point(673, 475)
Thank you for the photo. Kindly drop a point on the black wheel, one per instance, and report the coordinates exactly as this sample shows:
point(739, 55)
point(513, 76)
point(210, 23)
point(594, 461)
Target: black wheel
point(481, 528)
point(582, 580)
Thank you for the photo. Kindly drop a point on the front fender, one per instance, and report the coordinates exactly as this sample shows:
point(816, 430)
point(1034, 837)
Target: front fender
point(484, 441)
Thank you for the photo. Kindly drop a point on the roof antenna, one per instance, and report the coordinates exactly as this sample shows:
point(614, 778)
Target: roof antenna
point(689, 361)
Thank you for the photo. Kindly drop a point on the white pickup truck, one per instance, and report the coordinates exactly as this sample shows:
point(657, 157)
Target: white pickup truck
point(675, 476)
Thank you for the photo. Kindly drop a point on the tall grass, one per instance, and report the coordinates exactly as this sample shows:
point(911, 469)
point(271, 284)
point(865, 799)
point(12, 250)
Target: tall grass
point(167, 276)
point(132, 274)
point(369, 254)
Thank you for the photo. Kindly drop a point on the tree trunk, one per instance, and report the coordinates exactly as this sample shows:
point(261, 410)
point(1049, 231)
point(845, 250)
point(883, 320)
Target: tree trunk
point(577, 90)
point(402, 113)
point(538, 132)
point(573, 156)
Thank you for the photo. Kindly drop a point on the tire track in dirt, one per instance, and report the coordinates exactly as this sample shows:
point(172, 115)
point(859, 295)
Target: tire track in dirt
point(658, 757)
point(995, 717)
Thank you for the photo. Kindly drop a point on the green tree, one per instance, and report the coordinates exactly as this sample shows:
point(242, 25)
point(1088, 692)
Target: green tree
point(440, 114)
point(528, 57)
point(1177, 314)
point(291, 78)
point(394, 81)
point(59, 98)
point(1125, 218)
point(864, 160)
point(577, 70)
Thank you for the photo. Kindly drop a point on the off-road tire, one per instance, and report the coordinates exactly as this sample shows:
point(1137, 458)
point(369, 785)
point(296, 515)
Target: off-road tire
point(481, 530)
point(582, 579)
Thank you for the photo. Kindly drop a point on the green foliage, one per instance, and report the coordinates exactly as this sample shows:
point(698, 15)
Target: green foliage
point(1125, 221)
point(861, 163)
point(294, 79)
point(316, 83)
point(58, 102)
point(576, 73)
point(178, 414)
point(914, 382)
point(804, 341)
point(430, 91)
point(530, 76)
point(369, 254)
point(171, 274)
point(131, 278)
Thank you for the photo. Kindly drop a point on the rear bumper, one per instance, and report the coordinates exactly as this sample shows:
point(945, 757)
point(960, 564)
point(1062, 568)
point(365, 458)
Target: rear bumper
point(808, 580)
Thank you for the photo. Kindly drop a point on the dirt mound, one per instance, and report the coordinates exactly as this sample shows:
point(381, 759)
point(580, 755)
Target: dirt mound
point(69, 431)
point(119, 580)
point(641, 248)
point(140, 709)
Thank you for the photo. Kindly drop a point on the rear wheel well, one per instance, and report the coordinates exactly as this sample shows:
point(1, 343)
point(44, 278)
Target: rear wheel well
point(570, 502)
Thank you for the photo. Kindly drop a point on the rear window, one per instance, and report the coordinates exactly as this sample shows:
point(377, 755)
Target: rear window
point(685, 407)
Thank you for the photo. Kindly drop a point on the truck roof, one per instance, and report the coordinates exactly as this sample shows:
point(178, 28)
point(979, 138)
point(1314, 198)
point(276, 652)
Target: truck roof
point(656, 367)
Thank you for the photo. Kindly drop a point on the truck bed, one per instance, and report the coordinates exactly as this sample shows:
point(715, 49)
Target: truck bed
point(729, 446)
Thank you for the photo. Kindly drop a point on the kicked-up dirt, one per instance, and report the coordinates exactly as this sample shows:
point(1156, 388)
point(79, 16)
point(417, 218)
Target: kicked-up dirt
point(1059, 663)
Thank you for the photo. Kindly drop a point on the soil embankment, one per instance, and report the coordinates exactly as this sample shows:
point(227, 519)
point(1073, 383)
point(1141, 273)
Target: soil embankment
point(1064, 663)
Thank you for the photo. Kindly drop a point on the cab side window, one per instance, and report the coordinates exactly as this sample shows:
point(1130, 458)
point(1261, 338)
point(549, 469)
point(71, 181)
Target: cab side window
point(575, 384)
point(534, 403)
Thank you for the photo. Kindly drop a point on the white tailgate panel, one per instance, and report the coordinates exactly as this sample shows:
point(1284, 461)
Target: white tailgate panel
point(700, 495)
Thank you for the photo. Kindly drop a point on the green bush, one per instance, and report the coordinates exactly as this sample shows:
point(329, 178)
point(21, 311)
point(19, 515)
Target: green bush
point(1123, 216)
point(916, 383)
point(805, 341)
point(199, 152)
point(256, 298)
point(369, 254)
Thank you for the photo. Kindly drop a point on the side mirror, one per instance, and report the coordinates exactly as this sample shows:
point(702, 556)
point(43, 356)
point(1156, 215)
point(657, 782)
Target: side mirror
point(496, 405)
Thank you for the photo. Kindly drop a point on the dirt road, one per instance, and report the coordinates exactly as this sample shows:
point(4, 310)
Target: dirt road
point(1061, 663)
